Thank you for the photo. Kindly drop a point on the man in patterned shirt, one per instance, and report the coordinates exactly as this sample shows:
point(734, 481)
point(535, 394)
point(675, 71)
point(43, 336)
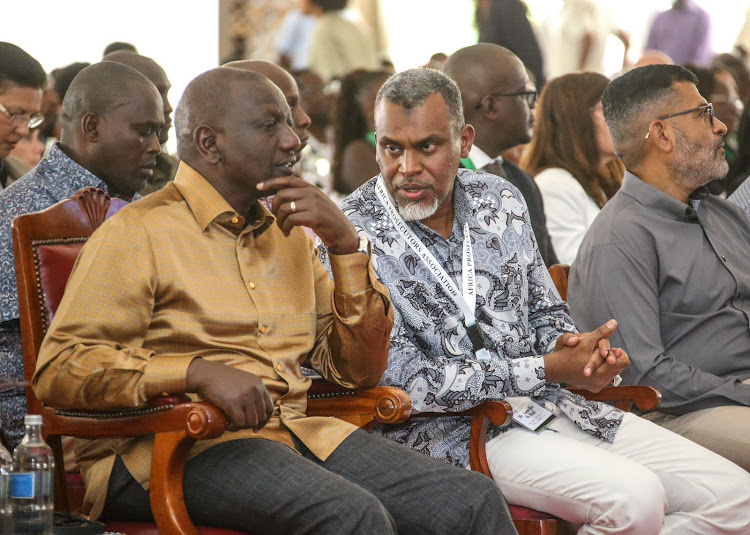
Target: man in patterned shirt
point(478, 318)
point(111, 117)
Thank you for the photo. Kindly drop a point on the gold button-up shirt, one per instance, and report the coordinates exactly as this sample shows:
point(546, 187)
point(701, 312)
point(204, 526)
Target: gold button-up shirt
point(179, 275)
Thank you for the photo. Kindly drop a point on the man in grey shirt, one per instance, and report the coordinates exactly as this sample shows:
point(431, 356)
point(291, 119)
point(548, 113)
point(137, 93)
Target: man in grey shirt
point(670, 261)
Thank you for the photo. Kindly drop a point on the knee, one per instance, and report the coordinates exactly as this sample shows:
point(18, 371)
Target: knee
point(636, 504)
point(481, 509)
point(362, 513)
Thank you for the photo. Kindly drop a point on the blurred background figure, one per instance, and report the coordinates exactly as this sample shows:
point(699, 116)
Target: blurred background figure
point(29, 149)
point(354, 139)
point(294, 37)
point(338, 46)
point(575, 38)
point(506, 23)
point(683, 33)
point(316, 158)
point(718, 86)
point(653, 57)
point(436, 61)
point(119, 45)
point(572, 158)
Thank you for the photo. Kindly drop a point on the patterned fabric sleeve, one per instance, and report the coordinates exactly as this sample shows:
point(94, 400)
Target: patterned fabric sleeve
point(450, 383)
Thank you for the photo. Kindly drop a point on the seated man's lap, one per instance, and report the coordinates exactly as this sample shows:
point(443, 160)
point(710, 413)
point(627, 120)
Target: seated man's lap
point(261, 483)
point(572, 474)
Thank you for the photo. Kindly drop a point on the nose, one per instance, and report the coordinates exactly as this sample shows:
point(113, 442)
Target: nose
point(410, 164)
point(153, 147)
point(303, 120)
point(22, 128)
point(167, 106)
point(719, 127)
point(290, 140)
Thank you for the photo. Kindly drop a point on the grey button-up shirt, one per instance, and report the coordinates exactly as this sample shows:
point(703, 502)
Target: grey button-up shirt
point(677, 279)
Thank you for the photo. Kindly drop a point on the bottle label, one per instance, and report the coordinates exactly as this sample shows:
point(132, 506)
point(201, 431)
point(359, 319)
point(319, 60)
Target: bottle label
point(23, 485)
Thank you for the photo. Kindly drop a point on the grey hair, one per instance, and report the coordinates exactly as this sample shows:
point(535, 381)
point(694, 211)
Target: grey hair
point(631, 101)
point(411, 88)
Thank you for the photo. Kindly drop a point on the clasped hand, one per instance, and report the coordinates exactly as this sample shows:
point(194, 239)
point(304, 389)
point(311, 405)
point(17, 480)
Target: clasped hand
point(586, 360)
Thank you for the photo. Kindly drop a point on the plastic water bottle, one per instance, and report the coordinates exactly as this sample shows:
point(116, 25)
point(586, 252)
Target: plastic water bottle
point(33, 469)
point(6, 510)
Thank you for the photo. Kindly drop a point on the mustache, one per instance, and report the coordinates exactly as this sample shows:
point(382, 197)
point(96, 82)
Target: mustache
point(410, 183)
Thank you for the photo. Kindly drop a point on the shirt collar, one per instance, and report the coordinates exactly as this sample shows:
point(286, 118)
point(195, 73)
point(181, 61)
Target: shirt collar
point(660, 202)
point(208, 205)
point(479, 158)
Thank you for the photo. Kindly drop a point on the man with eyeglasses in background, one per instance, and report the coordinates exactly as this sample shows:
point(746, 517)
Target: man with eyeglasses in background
point(682, 286)
point(498, 99)
point(22, 81)
point(111, 117)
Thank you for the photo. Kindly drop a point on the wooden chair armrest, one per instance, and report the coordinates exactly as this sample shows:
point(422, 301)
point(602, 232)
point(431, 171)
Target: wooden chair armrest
point(644, 398)
point(498, 412)
point(198, 420)
point(363, 408)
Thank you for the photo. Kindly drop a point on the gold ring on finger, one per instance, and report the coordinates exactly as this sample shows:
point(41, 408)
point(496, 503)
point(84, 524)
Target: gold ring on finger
point(293, 206)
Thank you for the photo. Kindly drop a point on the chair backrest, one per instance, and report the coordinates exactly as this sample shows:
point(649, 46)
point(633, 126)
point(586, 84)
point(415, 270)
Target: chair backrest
point(559, 274)
point(46, 245)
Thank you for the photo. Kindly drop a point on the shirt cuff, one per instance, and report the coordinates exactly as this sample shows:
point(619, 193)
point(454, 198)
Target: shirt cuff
point(352, 273)
point(166, 375)
point(530, 374)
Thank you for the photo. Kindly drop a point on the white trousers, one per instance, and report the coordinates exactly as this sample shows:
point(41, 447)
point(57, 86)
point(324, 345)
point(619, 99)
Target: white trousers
point(649, 481)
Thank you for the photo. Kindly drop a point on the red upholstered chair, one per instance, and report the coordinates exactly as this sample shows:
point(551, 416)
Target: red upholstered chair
point(46, 245)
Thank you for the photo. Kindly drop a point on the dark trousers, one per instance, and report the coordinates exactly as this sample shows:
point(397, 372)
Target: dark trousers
point(368, 486)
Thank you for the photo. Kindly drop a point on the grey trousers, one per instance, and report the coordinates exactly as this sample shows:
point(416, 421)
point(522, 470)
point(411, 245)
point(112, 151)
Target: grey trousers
point(368, 486)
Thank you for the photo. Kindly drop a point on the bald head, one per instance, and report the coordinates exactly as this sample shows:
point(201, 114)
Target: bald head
point(487, 75)
point(482, 69)
point(100, 89)
point(288, 85)
point(207, 100)
point(270, 70)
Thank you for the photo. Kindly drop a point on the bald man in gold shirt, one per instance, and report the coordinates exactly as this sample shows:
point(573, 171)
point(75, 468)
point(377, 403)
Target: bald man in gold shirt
point(199, 289)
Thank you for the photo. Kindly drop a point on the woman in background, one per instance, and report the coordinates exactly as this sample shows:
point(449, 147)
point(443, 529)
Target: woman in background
point(354, 124)
point(572, 158)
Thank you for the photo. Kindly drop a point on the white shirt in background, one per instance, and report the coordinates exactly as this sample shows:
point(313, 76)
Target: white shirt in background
point(569, 211)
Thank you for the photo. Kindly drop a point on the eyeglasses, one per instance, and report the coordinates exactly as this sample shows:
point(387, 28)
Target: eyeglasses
point(530, 97)
point(703, 109)
point(15, 120)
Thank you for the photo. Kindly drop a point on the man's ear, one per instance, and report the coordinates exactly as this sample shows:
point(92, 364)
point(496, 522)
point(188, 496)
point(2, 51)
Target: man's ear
point(204, 139)
point(661, 136)
point(467, 140)
point(90, 126)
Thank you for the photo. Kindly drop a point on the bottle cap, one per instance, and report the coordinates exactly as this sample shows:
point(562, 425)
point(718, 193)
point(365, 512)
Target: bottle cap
point(32, 419)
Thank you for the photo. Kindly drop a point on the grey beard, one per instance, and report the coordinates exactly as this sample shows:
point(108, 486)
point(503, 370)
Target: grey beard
point(695, 165)
point(418, 211)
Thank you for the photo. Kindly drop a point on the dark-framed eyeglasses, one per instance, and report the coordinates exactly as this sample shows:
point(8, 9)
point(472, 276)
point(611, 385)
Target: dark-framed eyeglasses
point(530, 96)
point(22, 118)
point(703, 109)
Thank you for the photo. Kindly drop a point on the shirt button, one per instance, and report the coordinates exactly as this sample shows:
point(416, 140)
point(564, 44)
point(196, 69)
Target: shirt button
point(263, 329)
point(235, 220)
point(251, 285)
point(279, 367)
point(724, 258)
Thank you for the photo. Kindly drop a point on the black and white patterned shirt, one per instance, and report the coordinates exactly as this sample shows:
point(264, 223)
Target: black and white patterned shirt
point(56, 178)
point(519, 311)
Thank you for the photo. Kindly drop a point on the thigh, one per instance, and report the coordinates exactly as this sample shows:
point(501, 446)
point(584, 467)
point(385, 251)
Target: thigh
point(694, 478)
point(723, 430)
point(423, 495)
point(260, 486)
point(566, 472)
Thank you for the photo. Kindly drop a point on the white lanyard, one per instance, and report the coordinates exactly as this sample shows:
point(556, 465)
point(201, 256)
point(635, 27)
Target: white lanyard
point(466, 302)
